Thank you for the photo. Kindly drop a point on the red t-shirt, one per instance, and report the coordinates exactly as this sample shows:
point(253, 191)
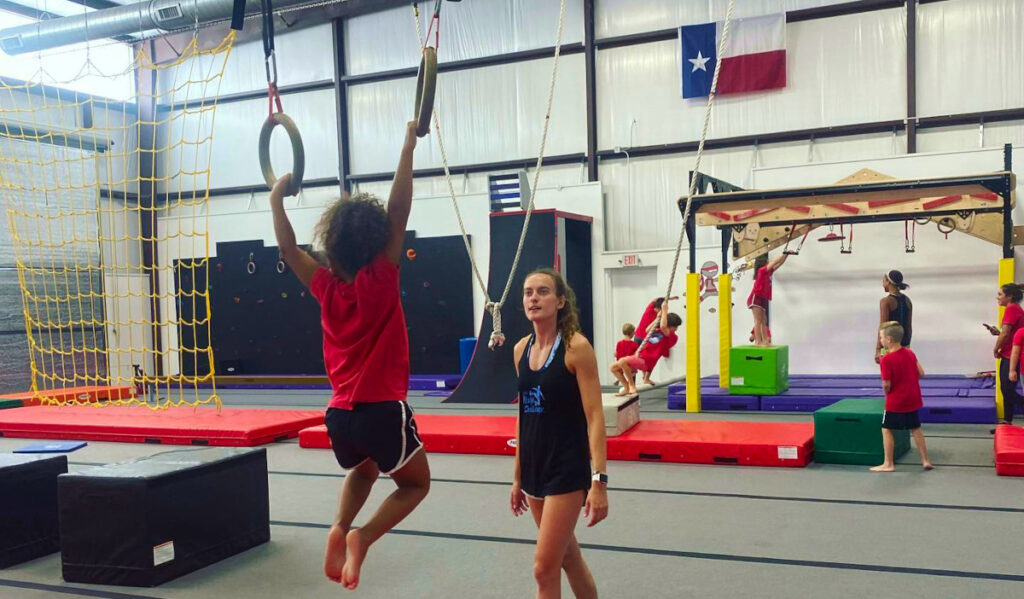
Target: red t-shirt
point(625, 347)
point(1013, 316)
point(900, 369)
point(1018, 341)
point(650, 313)
point(366, 346)
point(658, 346)
point(762, 284)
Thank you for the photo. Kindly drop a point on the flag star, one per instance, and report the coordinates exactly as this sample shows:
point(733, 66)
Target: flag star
point(698, 63)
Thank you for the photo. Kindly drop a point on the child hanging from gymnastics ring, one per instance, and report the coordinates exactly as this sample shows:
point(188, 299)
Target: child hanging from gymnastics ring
point(760, 295)
point(366, 352)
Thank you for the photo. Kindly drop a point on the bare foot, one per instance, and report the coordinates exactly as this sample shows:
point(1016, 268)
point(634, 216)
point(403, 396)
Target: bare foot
point(882, 468)
point(334, 557)
point(632, 391)
point(928, 466)
point(357, 547)
point(622, 393)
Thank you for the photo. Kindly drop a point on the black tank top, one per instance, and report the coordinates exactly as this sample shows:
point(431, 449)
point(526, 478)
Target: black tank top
point(901, 314)
point(554, 453)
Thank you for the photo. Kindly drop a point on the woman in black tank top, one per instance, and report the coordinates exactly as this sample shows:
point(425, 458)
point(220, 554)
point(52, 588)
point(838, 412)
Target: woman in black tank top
point(894, 307)
point(560, 429)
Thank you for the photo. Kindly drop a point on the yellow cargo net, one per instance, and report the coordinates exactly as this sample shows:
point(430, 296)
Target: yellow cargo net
point(107, 210)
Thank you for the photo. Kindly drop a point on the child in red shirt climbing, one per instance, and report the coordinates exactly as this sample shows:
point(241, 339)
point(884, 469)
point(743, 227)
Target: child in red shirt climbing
point(366, 352)
point(658, 346)
point(760, 295)
point(901, 381)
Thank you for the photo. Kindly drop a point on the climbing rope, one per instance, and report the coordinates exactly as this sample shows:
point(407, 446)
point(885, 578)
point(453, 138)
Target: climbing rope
point(700, 153)
point(494, 307)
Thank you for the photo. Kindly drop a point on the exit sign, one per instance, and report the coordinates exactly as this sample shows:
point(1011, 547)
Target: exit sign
point(630, 260)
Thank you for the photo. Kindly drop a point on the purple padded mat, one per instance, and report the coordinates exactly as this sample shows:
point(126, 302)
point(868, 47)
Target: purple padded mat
point(718, 402)
point(959, 409)
point(433, 382)
point(798, 403)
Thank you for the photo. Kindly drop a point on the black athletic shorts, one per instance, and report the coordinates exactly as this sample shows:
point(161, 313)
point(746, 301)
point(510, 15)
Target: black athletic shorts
point(901, 421)
point(384, 432)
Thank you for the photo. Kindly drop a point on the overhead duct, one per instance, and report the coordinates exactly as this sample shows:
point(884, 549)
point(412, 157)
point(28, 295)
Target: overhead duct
point(165, 15)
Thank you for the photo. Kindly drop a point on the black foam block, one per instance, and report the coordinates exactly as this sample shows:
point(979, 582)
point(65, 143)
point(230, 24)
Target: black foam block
point(28, 506)
point(145, 522)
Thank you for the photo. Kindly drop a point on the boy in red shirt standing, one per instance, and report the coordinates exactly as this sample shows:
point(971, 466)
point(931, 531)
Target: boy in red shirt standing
point(366, 352)
point(901, 374)
point(658, 346)
point(626, 346)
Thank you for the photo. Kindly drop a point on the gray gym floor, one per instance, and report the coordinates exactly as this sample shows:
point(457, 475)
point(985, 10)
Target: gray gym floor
point(673, 530)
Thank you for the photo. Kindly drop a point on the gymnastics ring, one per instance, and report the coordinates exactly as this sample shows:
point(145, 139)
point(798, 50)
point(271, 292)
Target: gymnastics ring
point(922, 220)
point(251, 266)
point(280, 267)
point(298, 153)
point(426, 84)
point(946, 225)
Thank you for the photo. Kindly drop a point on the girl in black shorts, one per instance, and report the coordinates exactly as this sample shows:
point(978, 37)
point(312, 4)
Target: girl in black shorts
point(561, 427)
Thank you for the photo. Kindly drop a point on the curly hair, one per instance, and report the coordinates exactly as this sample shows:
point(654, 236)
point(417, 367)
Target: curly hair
point(568, 314)
point(352, 231)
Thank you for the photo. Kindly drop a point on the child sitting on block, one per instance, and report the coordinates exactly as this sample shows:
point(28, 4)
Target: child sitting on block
point(901, 381)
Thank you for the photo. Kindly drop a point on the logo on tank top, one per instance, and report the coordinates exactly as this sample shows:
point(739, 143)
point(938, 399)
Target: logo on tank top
point(533, 401)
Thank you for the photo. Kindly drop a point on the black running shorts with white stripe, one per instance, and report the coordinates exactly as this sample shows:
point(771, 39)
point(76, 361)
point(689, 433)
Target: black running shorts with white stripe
point(384, 432)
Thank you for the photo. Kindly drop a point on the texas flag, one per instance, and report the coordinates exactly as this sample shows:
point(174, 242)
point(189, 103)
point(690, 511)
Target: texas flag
point(755, 56)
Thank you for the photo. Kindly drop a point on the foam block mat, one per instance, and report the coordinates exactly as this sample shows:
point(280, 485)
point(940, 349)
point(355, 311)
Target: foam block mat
point(85, 393)
point(784, 444)
point(964, 410)
point(1009, 450)
point(139, 424)
point(150, 520)
point(28, 506)
point(433, 382)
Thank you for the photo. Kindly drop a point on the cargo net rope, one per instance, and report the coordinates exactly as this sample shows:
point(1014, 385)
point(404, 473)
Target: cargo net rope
point(107, 212)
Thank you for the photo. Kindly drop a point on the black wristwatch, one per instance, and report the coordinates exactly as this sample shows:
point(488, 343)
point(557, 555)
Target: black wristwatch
point(600, 477)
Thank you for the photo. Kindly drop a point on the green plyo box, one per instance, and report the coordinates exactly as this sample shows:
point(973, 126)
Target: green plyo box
point(757, 370)
point(10, 403)
point(850, 432)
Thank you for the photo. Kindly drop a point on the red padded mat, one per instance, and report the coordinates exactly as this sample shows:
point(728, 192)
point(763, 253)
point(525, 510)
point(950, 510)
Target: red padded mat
point(1009, 448)
point(686, 441)
point(139, 424)
point(87, 393)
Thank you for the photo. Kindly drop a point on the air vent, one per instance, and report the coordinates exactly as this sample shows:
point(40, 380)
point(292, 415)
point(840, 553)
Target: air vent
point(169, 13)
point(12, 43)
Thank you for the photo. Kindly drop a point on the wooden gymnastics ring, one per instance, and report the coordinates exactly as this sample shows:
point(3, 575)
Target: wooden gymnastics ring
point(298, 153)
point(426, 84)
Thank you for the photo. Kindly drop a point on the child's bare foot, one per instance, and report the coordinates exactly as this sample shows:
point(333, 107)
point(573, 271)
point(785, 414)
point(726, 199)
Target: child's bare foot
point(928, 466)
point(334, 557)
point(622, 393)
point(356, 546)
point(882, 468)
point(631, 391)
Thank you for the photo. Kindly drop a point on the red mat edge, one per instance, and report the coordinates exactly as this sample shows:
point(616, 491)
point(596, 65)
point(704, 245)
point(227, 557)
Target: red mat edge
point(1005, 468)
point(619, 449)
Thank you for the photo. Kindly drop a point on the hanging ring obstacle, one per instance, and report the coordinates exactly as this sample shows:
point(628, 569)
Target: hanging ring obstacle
point(279, 117)
point(426, 85)
point(298, 152)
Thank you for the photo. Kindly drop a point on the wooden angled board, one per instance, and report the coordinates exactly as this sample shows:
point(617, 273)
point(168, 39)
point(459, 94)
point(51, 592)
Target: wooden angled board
point(844, 199)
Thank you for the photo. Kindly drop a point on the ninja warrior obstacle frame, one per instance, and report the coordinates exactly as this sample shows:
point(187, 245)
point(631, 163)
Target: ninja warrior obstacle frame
point(753, 222)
